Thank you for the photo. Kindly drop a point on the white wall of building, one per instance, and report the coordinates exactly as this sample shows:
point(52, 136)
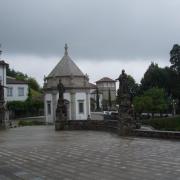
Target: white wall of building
point(49, 116)
point(81, 98)
point(15, 92)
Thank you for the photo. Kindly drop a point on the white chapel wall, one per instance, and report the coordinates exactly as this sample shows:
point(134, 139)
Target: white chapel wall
point(81, 96)
point(49, 117)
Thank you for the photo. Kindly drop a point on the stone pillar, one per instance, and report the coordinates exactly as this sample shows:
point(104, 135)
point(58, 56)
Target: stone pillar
point(54, 104)
point(87, 104)
point(73, 105)
point(2, 113)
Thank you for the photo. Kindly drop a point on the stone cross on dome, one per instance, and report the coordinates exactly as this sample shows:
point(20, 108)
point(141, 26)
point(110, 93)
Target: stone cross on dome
point(66, 50)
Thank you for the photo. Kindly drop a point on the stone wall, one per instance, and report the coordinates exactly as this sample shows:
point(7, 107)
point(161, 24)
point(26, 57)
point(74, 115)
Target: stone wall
point(157, 134)
point(92, 125)
point(97, 116)
point(112, 126)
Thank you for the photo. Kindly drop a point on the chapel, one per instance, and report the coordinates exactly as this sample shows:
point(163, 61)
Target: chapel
point(77, 90)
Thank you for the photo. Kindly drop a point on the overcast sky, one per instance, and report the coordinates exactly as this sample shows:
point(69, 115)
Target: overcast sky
point(104, 36)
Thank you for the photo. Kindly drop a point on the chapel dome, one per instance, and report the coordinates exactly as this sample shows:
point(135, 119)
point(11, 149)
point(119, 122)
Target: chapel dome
point(66, 67)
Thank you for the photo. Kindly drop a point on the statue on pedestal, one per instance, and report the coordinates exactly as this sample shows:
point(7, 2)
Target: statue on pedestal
point(61, 112)
point(126, 120)
point(2, 106)
point(123, 86)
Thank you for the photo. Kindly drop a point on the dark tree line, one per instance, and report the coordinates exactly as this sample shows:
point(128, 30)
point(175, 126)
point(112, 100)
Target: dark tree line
point(167, 80)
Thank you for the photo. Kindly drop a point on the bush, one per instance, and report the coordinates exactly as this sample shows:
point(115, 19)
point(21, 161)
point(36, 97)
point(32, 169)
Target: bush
point(29, 123)
point(26, 108)
point(168, 124)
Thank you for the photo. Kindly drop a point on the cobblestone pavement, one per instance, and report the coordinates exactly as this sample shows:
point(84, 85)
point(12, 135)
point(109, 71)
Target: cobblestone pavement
point(38, 153)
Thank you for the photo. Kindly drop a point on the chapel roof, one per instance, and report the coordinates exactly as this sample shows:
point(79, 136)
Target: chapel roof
point(66, 67)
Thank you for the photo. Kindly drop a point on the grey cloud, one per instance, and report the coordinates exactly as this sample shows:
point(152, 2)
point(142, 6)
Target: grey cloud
point(103, 29)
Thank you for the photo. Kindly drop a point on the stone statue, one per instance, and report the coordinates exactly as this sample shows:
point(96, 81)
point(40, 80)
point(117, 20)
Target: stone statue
point(123, 83)
point(61, 90)
point(126, 120)
point(61, 111)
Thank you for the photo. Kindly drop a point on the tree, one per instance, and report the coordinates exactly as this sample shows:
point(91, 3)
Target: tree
point(16, 74)
point(159, 101)
point(152, 101)
point(175, 66)
point(142, 104)
point(133, 86)
point(175, 58)
point(33, 84)
point(154, 77)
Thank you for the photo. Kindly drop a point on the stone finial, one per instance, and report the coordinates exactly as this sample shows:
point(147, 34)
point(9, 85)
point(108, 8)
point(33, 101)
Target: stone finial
point(0, 50)
point(66, 50)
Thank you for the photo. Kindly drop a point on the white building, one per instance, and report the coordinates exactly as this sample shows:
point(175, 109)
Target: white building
point(107, 87)
point(77, 93)
point(15, 90)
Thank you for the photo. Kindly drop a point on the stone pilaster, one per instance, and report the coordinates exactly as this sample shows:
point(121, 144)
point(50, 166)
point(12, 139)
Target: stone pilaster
point(87, 104)
point(73, 105)
point(54, 104)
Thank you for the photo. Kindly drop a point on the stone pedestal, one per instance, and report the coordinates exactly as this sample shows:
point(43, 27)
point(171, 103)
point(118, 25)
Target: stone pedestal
point(2, 115)
point(126, 120)
point(60, 119)
point(60, 125)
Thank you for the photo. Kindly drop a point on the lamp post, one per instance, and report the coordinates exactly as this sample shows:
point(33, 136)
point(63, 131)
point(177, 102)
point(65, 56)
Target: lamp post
point(174, 107)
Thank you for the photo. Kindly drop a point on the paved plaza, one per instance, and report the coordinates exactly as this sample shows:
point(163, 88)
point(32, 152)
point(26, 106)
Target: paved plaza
point(39, 153)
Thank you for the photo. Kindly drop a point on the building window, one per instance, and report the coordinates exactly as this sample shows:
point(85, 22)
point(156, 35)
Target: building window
point(49, 107)
point(81, 106)
point(21, 91)
point(9, 91)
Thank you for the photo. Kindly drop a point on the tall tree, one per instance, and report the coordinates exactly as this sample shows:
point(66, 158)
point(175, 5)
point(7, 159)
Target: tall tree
point(154, 77)
point(175, 66)
point(175, 58)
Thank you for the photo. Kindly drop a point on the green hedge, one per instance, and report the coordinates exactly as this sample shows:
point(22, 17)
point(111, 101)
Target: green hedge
point(29, 123)
point(168, 124)
point(26, 108)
